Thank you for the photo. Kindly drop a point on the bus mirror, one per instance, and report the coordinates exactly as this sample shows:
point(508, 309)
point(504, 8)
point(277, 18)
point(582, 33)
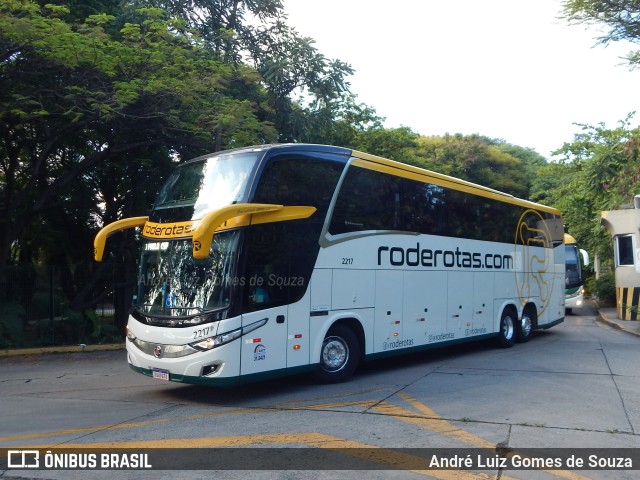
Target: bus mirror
point(260, 212)
point(203, 234)
point(101, 238)
point(585, 257)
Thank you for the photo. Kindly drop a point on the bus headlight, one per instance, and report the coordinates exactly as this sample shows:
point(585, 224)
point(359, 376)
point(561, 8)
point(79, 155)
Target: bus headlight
point(130, 336)
point(213, 342)
point(224, 338)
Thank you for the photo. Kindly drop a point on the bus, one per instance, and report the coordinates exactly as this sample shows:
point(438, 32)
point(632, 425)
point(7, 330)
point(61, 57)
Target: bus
point(290, 258)
point(575, 259)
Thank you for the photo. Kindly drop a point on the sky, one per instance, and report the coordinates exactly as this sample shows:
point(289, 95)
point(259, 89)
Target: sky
point(507, 69)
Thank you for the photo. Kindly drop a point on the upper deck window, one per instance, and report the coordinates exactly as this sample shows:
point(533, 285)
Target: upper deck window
point(297, 180)
point(207, 185)
point(370, 200)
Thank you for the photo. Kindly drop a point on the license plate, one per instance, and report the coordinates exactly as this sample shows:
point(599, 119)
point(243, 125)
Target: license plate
point(161, 374)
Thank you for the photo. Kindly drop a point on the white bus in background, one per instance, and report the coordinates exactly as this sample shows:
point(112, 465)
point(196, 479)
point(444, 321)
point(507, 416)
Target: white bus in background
point(282, 259)
point(575, 259)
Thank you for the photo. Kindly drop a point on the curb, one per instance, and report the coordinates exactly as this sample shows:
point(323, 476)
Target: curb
point(617, 325)
point(62, 349)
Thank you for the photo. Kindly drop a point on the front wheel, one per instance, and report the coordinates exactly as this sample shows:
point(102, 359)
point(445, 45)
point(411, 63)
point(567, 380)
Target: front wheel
point(339, 355)
point(507, 334)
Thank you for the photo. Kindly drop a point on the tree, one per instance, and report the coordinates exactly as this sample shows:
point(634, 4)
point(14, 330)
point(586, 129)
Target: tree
point(621, 17)
point(598, 171)
point(255, 33)
point(83, 105)
point(340, 121)
point(472, 158)
point(531, 160)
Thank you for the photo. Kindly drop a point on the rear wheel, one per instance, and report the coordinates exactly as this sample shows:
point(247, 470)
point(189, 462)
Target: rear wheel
point(525, 326)
point(507, 334)
point(339, 355)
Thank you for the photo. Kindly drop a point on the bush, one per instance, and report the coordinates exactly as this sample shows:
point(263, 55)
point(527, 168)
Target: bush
point(603, 289)
point(11, 326)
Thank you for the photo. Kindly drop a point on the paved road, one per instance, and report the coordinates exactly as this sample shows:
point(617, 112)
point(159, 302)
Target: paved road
point(576, 385)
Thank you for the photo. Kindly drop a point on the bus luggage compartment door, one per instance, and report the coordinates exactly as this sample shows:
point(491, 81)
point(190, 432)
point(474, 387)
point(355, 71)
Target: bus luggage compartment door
point(387, 333)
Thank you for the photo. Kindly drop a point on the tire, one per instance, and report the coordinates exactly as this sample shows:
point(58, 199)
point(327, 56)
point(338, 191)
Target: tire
point(507, 333)
point(526, 326)
point(339, 355)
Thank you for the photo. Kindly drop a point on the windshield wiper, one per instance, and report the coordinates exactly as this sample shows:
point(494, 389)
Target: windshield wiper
point(172, 203)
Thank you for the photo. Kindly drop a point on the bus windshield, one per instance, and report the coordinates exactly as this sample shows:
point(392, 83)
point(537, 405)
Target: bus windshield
point(573, 272)
point(172, 283)
point(208, 184)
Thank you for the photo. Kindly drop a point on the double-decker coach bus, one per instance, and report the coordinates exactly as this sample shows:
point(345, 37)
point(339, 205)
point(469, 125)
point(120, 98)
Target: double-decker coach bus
point(280, 259)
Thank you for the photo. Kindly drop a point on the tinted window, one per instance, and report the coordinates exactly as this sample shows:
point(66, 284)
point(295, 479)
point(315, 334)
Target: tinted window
point(279, 259)
point(299, 181)
point(372, 200)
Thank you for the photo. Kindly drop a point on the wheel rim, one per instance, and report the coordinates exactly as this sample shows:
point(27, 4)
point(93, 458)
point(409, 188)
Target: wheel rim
point(507, 327)
point(526, 325)
point(335, 354)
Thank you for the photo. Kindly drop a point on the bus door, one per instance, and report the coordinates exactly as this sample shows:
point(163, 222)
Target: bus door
point(265, 348)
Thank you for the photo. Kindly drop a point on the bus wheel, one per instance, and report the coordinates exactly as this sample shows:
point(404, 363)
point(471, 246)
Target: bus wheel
point(339, 355)
point(525, 327)
point(507, 334)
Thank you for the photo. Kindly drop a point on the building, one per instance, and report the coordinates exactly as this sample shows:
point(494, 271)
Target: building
point(624, 227)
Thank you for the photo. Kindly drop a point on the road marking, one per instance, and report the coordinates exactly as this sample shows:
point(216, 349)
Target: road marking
point(437, 424)
point(425, 418)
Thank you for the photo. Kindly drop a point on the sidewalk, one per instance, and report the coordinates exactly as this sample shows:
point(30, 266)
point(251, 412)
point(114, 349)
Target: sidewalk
point(61, 349)
point(610, 317)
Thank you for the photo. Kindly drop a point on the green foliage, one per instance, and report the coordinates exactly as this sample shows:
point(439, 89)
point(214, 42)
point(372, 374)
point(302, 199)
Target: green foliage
point(397, 143)
point(603, 289)
point(11, 329)
point(620, 17)
point(338, 121)
point(473, 158)
point(598, 171)
point(67, 329)
point(531, 160)
point(288, 64)
point(75, 97)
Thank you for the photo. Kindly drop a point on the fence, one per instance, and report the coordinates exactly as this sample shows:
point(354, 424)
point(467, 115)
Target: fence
point(53, 305)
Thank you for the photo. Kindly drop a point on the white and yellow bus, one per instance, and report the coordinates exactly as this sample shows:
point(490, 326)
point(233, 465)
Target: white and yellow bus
point(575, 259)
point(282, 259)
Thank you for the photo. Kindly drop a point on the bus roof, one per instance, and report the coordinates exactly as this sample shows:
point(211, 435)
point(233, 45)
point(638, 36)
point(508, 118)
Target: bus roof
point(393, 167)
point(569, 239)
